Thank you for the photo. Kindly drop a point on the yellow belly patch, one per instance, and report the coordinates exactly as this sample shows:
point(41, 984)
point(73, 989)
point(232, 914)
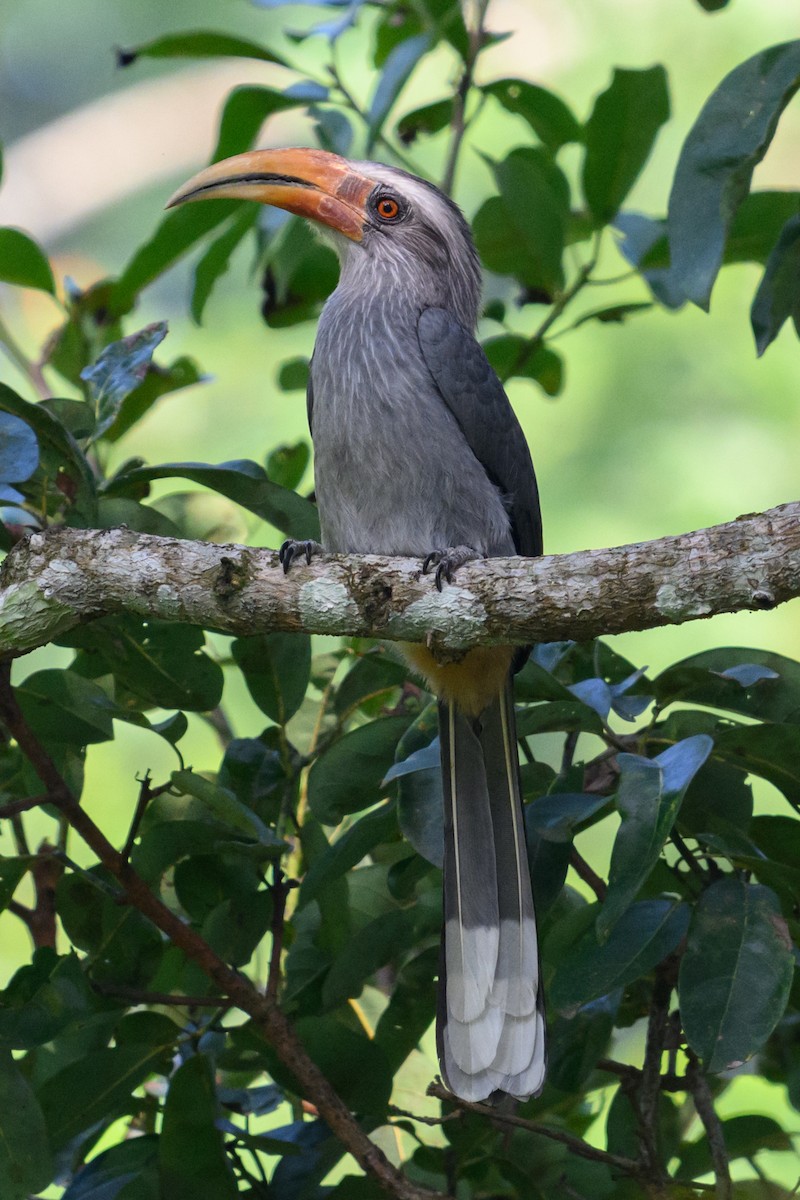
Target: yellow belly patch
point(471, 683)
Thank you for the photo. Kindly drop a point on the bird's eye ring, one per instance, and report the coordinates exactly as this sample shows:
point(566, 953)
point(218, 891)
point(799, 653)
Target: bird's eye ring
point(387, 208)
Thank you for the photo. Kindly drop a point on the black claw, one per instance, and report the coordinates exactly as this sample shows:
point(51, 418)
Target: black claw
point(443, 572)
point(291, 549)
point(430, 559)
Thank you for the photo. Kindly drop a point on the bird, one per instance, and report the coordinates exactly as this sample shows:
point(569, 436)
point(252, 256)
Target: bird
point(418, 452)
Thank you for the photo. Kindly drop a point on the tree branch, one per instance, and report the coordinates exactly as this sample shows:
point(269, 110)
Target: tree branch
point(52, 581)
point(264, 1011)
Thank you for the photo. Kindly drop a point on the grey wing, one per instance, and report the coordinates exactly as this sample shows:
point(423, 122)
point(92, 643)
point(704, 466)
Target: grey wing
point(475, 396)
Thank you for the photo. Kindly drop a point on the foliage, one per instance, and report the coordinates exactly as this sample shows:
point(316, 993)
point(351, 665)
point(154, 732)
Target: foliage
point(685, 949)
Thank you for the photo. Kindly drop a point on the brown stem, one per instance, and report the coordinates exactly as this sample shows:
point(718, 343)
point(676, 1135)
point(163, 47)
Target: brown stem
point(46, 870)
point(146, 794)
point(138, 996)
point(263, 1010)
point(21, 806)
point(581, 868)
point(704, 1107)
point(279, 890)
point(650, 1080)
point(627, 1166)
point(687, 856)
point(458, 124)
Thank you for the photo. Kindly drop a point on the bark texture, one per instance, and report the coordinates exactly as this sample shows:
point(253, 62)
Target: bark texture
point(53, 581)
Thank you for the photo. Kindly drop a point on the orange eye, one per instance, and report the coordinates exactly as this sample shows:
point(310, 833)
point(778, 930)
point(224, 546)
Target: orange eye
point(387, 208)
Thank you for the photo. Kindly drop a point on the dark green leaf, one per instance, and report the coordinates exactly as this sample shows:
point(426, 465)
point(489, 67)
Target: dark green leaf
point(396, 71)
point(158, 382)
point(96, 1089)
point(276, 668)
point(431, 118)
point(758, 224)
point(410, 1009)
point(158, 662)
point(286, 465)
point(192, 1163)
point(108, 1175)
point(60, 454)
point(649, 798)
point(640, 940)
point(522, 231)
point(718, 791)
point(547, 114)
point(348, 850)
point(713, 5)
point(126, 948)
point(778, 295)
point(253, 768)
point(736, 973)
point(714, 677)
point(420, 804)
point(293, 375)
point(512, 355)
point(121, 367)
point(243, 481)
point(63, 707)
point(380, 941)
point(731, 135)
point(23, 263)
point(617, 314)
point(197, 43)
point(43, 999)
point(224, 805)
point(11, 872)
point(744, 1137)
point(556, 817)
point(563, 715)
point(373, 675)
point(770, 751)
point(347, 777)
point(576, 1043)
point(619, 137)
point(333, 129)
point(237, 925)
point(25, 1160)
point(216, 259)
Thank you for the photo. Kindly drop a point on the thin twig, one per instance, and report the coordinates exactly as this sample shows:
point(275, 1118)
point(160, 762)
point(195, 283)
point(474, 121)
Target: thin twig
point(146, 794)
point(20, 806)
point(138, 996)
point(704, 1107)
point(687, 856)
point(581, 868)
point(458, 123)
point(263, 1010)
point(650, 1080)
point(279, 890)
point(576, 1145)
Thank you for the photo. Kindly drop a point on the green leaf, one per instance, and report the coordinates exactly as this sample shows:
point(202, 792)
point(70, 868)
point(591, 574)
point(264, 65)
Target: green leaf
point(728, 139)
point(160, 663)
point(744, 1137)
point(430, 119)
point(347, 851)
point(23, 263)
point(512, 355)
point(276, 669)
point(547, 114)
point(778, 295)
point(770, 751)
point(237, 925)
point(43, 999)
point(396, 71)
point(96, 1089)
point(619, 137)
point(758, 224)
point(126, 949)
point(714, 677)
point(649, 798)
point(159, 381)
point(556, 817)
point(616, 314)
point(108, 1174)
point(12, 871)
point(61, 706)
point(192, 1163)
point(246, 110)
point(294, 374)
point(286, 465)
point(347, 777)
point(198, 43)
point(574, 1045)
point(216, 259)
point(378, 942)
point(640, 940)
point(60, 454)
point(120, 368)
point(225, 807)
point(373, 676)
point(25, 1159)
point(736, 973)
point(243, 481)
point(522, 231)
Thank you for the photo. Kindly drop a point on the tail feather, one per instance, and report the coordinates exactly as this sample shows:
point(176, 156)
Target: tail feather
point(490, 1029)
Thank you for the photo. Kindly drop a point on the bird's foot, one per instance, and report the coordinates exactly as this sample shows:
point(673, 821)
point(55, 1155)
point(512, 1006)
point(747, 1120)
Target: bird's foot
point(291, 549)
point(447, 561)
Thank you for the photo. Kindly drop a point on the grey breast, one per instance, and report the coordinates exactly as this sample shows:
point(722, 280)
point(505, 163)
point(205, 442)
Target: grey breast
point(394, 473)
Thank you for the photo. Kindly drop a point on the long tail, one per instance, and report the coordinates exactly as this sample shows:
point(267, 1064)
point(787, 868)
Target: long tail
point(490, 1023)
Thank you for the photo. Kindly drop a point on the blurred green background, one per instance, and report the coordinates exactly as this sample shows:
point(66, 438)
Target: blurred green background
point(665, 424)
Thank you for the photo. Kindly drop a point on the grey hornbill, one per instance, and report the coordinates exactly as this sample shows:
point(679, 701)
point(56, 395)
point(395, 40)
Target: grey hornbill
point(418, 452)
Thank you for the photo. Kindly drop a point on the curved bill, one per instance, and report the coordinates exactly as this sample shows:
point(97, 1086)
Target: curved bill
point(311, 183)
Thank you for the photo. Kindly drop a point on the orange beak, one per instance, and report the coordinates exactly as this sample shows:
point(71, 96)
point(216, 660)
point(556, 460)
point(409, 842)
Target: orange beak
point(311, 183)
